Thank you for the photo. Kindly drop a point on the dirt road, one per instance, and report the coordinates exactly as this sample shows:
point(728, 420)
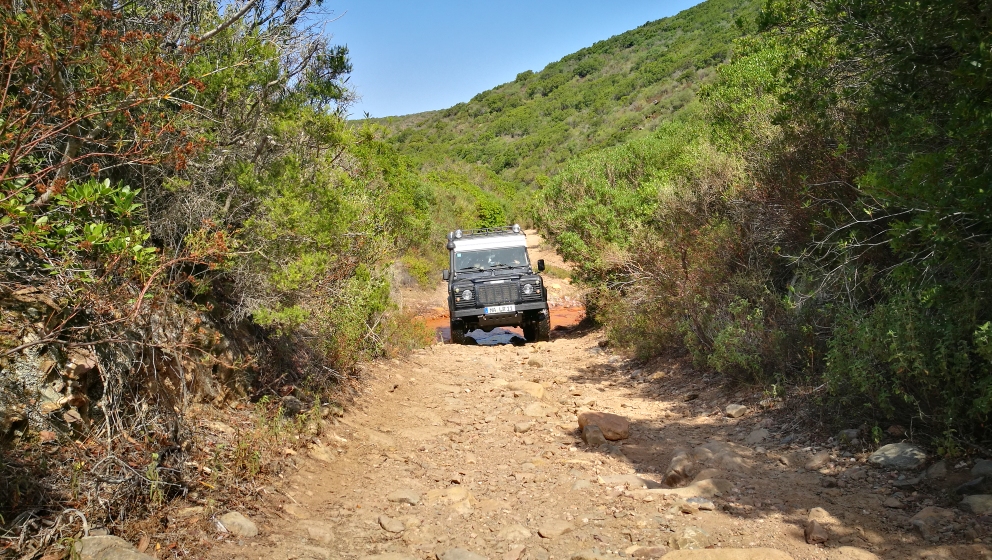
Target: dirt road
point(476, 448)
point(467, 452)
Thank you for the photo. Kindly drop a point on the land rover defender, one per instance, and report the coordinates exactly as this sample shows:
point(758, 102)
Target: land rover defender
point(491, 283)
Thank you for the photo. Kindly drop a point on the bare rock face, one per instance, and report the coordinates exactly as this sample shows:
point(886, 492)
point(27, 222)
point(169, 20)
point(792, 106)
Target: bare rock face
point(613, 426)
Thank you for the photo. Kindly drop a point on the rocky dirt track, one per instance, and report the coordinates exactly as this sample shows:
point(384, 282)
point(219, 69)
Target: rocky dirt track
point(462, 452)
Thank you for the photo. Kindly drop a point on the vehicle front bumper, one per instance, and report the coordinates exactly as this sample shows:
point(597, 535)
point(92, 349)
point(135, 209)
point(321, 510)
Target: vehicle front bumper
point(492, 319)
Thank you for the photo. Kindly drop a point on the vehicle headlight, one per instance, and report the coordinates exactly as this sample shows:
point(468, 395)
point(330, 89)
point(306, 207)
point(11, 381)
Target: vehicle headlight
point(528, 289)
point(466, 295)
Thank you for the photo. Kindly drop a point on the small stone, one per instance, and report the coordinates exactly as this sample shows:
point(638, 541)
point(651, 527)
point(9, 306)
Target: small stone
point(320, 532)
point(938, 470)
point(46, 436)
point(703, 504)
point(535, 363)
point(692, 538)
point(522, 427)
point(238, 525)
point(983, 467)
point(391, 525)
point(106, 547)
point(649, 552)
point(929, 520)
point(848, 436)
point(736, 410)
point(896, 431)
point(514, 552)
point(405, 496)
point(292, 406)
point(458, 554)
point(818, 461)
point(535, 390)
point(816, 533)
point(979, 504)
point(537, 410)
point(593, 436)
point(515, 532)
point(758, 436)
point(613, 426)
point(893, 503)
point(589, 554)
point(900, 456)
point(554, 528)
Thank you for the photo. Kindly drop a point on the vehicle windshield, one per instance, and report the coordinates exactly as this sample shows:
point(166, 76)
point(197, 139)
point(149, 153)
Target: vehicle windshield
point(488, 259)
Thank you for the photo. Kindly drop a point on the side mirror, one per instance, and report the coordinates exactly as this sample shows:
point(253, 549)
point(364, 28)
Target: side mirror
point(540, 265)
point(446, 275)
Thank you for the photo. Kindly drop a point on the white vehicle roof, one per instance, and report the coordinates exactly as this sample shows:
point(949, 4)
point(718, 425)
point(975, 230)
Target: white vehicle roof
point(482, 243)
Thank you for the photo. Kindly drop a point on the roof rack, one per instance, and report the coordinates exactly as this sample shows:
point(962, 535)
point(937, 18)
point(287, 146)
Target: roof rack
point(461, 233)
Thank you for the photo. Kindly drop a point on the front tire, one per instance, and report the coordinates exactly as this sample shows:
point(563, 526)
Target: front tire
point(543, 329)
point(457, 332)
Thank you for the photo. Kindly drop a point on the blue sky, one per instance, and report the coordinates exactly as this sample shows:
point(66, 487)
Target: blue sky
point(410, 57)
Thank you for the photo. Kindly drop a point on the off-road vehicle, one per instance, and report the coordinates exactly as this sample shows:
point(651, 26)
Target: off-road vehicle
point(491, 284)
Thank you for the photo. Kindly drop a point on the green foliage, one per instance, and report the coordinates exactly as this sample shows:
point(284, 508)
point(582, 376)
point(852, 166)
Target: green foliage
point(620, 88)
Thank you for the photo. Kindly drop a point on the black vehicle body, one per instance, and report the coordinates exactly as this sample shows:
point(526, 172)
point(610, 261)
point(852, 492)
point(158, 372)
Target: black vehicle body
point(491, 283)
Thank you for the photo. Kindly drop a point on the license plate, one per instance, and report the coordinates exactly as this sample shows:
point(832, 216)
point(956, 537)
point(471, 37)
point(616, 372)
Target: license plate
point(499, 309)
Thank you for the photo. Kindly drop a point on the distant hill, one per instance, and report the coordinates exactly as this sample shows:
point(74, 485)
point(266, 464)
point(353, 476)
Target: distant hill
point(596, 97)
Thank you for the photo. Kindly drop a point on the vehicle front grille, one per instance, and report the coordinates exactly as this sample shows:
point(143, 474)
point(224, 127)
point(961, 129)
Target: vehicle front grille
point(498, 294)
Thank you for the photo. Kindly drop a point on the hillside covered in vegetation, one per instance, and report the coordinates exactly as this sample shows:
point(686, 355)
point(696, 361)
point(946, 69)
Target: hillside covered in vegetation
point(619, 88)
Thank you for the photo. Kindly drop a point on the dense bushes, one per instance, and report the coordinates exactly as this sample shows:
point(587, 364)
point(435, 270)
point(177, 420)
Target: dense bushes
point(820, 213)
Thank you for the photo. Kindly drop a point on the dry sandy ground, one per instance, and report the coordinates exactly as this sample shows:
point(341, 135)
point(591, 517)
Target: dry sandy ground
point(451, 453)
point(491, 466)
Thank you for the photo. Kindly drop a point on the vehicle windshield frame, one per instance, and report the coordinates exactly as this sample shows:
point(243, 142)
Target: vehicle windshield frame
point(481, 260)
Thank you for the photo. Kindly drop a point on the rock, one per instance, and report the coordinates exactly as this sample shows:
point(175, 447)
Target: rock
point(296, 511)
point(728, 554)
point(514, 552)
point(938, 470)
point(815, 533)
point(893, 503)
point(522, 427)
point(979, 504)
point(929, 520)
point(691, 538)
point(554, 528)
point(589, 554)
point(702, 504)
point(534, 363)
point(818, 461)
point(238, 524)
point(320, 532)
point(630, 480)
point(405, 496)
point(736, 410)
point(848, 436)
point(983, 467)
point(292, 406)
point(535, 390)
point(190, 512)
point(678, 469)
point(537, 410)
point(896, 431)
point(391, 525)
point(613, 426)
point(106, 547)
point(648, 552)
point(853, 553)
point(758, 436)
point(593, 436)
point(581, 485)
point(902, 456)
point(515, 532)
point(980, 485)
point(458, 554)
point(708, 488)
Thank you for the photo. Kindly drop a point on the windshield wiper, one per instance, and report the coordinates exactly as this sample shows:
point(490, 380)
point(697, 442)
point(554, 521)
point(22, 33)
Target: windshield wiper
point(473, 267)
